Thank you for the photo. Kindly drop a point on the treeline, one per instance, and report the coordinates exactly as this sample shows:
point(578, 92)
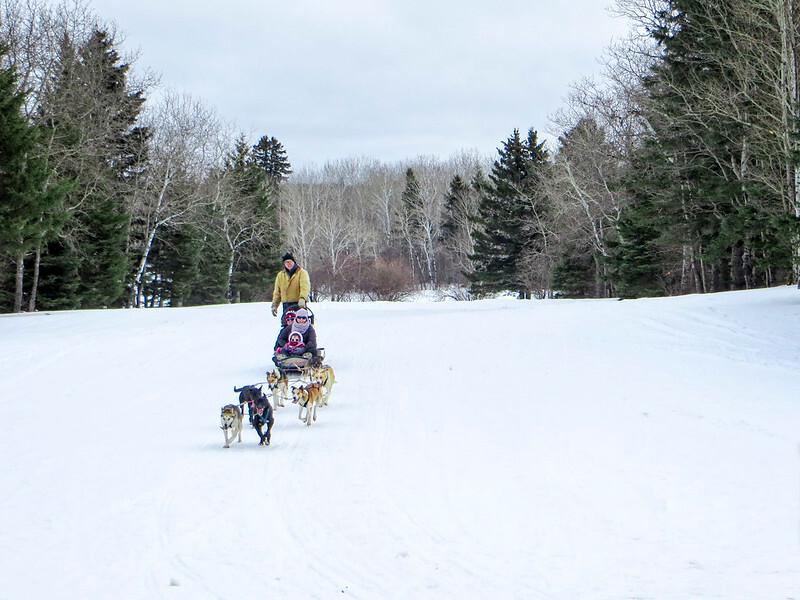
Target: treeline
point(109, 198)
point(676, 172)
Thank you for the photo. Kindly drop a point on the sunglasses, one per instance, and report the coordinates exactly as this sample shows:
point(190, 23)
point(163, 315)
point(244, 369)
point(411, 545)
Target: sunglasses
point(301, 318)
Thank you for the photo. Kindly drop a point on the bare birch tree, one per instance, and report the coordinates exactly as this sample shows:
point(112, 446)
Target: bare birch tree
point(182, 151)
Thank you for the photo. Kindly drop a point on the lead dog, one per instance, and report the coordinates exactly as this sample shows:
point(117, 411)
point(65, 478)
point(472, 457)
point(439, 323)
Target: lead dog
point(231, 419)
point(260, 410)
point(308, 397)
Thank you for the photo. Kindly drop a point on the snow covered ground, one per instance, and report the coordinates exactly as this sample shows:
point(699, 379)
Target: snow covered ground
point(493, 449)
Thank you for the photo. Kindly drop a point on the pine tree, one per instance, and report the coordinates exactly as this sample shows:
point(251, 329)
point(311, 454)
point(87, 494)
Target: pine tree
point(573, 275)
point(635, 262)
point(509, 210)
point(455, 209)
point(253, 261)
point(713, 156)
point(411, 218)
point(457, 232)
point(270, 156)
point(25, 200)
point(176, 256)
point(90, 117)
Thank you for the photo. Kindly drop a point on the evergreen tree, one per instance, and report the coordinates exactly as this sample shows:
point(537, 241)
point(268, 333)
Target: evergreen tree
point(211, 285)
point(573, 275)
point(509, 209)
point(713, 156)
point(455, 209)
point(270, 156)
point(636, 266)
point(411, 219)
point(254, 260)
point(175, 267)
point(458, 222)
point(25, 199)
point(90, 117)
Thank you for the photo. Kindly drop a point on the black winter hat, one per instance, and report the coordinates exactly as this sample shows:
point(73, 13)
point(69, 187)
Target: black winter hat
point(288, 256)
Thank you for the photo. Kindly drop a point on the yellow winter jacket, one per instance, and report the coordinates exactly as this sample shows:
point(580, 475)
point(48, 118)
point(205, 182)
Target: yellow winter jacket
point(291, 289)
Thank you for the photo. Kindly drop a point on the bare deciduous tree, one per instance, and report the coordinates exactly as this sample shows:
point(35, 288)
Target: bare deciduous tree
point(183, 149)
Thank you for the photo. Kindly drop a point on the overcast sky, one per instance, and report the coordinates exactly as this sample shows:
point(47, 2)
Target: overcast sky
point(390, 79)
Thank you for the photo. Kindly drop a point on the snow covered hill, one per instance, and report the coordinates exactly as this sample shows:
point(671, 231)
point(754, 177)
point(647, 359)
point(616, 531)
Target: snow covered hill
point(494, 449)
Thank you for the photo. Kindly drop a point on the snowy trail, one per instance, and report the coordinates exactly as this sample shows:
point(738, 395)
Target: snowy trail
point(495, 449)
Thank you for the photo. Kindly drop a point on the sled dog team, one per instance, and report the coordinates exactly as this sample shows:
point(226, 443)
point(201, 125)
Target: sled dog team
point(308, 397)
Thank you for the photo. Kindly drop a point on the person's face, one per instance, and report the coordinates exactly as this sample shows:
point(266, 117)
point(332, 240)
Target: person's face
point(289, 263)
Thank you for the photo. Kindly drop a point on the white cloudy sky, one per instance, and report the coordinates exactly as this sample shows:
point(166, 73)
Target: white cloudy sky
point(391, 79)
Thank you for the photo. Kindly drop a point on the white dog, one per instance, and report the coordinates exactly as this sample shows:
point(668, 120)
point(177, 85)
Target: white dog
point(231, 418)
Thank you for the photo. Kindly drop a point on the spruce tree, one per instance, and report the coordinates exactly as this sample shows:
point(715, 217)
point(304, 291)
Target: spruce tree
point(713, 158)
point(270, 156)
point(635, 262)
point(411, 219)
point(510, 205)
point(90, 116)
point(256, 197)
point(25, 200)
point(455, 209)
point(458, 223)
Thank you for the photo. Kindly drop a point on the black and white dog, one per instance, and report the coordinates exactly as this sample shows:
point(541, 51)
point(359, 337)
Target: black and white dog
point(259, 410)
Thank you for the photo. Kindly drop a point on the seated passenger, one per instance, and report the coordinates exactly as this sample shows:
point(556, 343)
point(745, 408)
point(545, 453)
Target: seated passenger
point(302, 326)
point(288, 317)
point(295, 345)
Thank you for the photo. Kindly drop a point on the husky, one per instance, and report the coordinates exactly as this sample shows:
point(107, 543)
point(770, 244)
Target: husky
point(279, 386)
point(260, 410)
point(323, 375)
point(308, 397)
point(231, 419)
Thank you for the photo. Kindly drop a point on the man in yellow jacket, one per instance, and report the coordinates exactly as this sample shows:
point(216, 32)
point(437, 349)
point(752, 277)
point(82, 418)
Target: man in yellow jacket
point(292, 287)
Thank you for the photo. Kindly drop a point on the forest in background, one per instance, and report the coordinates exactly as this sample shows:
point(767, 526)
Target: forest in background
point(674, 172)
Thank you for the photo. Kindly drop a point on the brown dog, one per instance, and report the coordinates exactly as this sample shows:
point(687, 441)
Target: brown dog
point(308, 397)
point(324, 376)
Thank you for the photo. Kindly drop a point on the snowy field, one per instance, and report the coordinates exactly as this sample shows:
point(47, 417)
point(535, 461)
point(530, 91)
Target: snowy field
point(493, 449)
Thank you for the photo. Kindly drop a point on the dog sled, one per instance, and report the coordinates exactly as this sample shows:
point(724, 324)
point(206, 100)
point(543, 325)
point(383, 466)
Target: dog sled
point(298, 365)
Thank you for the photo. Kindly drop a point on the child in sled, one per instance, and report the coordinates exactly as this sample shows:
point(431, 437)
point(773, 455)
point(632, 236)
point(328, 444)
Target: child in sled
point(295, 346)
